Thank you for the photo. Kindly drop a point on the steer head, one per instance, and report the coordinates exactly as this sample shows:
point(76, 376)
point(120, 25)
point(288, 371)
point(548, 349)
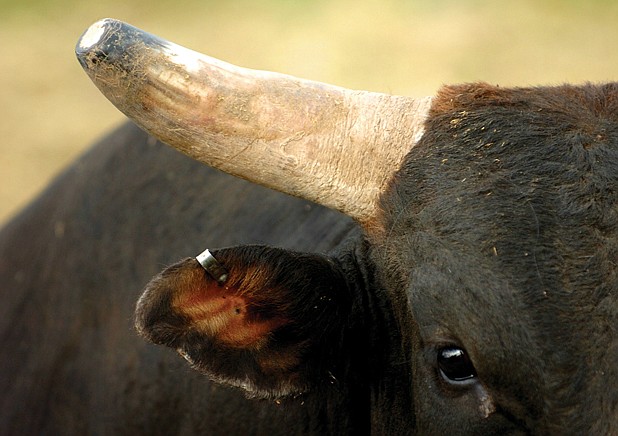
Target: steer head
point(483, 297)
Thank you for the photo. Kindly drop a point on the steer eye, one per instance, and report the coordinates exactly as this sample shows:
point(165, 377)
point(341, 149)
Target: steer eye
point(455, 366)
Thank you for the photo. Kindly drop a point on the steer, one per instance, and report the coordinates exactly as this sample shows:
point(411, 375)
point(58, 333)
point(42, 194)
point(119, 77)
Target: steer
point(449, 268)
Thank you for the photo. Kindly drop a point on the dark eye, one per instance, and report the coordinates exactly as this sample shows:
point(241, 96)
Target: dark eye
point(455, 365)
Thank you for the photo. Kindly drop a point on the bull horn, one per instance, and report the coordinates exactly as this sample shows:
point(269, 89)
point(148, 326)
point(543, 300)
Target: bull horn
point(327, 144)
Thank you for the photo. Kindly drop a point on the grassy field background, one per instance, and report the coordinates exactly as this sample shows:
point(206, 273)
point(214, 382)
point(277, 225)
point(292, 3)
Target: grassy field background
point(50, 112)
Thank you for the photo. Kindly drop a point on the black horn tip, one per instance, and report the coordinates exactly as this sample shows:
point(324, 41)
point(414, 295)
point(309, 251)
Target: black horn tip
point(110, 41)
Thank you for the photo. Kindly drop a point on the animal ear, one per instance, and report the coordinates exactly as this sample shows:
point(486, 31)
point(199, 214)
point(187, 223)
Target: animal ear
point(274, 327)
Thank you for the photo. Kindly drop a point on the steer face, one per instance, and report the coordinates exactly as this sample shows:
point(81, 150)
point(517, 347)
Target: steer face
point(501, 232)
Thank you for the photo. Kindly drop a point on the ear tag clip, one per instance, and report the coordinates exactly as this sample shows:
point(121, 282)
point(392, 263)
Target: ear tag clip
point(212, 266)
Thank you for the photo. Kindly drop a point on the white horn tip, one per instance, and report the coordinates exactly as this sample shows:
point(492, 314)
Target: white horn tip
point(93, 34)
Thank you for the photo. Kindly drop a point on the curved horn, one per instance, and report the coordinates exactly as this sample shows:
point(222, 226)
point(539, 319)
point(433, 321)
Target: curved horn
point(331, 145)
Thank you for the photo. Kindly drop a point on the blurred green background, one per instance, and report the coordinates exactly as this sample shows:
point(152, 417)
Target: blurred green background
point(50, 112)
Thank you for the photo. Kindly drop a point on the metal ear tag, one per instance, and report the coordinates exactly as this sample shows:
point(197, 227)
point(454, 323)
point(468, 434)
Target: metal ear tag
point(212, 266)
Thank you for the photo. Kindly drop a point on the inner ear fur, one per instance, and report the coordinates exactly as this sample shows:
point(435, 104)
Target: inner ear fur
point(274, 327)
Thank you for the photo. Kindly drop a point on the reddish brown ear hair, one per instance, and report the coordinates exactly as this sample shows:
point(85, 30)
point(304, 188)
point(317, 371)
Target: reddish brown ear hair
point(273, 328)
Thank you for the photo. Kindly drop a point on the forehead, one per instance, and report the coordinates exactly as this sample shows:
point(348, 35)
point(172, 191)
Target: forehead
point(525, 178)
